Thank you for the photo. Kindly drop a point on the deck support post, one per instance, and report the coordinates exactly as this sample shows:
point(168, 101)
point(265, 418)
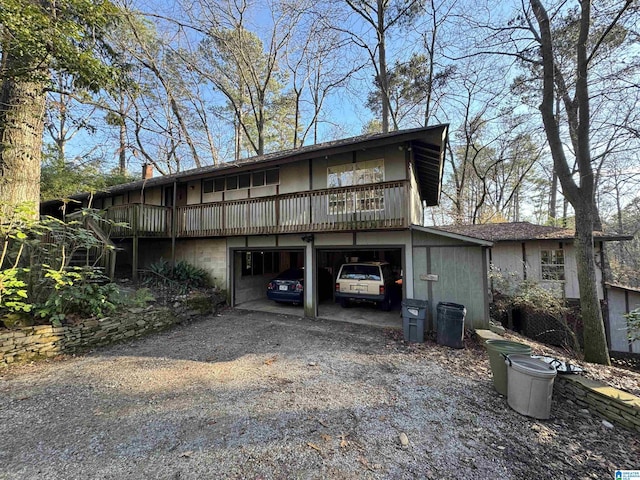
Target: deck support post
point(310, 304)
point(134, 260)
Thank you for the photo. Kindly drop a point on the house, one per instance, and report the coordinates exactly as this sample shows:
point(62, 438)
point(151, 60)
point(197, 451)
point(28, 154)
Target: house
point(546, 255)
point(315, 207)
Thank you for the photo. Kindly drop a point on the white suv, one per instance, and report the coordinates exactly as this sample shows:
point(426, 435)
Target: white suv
point(365, 282)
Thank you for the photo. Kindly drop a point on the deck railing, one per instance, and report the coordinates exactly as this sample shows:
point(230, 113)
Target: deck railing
point(141, 220)
point(380, 206)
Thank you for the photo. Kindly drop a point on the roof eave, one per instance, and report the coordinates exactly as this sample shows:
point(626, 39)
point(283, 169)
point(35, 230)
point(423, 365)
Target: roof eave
point(454, 236)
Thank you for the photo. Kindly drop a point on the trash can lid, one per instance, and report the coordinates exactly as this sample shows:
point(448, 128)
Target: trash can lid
point(451, 305)
point(531, 366)
point(412, 302)
point(507, 347)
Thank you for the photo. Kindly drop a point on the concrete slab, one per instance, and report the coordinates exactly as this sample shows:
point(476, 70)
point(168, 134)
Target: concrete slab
point(363, 314)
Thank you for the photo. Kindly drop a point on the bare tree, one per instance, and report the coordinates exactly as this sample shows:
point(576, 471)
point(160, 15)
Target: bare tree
point(579, 191)
point(381, 16)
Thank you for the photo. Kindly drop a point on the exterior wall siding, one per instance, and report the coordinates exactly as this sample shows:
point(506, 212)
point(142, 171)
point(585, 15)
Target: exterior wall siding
point(507, 256)
point(617, 304)
point(461, 276)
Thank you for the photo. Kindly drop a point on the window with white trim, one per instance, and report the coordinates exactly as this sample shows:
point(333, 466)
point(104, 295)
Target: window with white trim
point(552, 265)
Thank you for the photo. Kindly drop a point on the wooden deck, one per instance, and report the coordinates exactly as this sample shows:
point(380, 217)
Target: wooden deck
point(372, 207)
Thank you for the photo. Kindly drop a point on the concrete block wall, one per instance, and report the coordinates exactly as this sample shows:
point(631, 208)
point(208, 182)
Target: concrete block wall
point(209, 254)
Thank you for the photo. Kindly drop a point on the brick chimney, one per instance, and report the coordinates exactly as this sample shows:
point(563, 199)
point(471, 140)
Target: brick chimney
point(147, 171)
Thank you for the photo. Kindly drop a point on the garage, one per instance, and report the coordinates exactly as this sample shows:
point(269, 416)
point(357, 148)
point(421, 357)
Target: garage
point(329, 261)
point(253, 270)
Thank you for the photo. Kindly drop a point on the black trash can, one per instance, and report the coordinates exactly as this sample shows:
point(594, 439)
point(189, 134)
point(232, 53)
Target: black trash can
point(450, 324)
point(413, 314)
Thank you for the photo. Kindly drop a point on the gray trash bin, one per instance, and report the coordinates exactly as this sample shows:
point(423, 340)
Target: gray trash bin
point(413, 314)
point(529, 385)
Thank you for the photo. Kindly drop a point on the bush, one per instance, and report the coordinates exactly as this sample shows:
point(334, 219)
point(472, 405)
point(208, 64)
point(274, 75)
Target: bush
point(179, 279)
point(511, 292)
point(78, 291)
point(35, 276)
point(633, 324)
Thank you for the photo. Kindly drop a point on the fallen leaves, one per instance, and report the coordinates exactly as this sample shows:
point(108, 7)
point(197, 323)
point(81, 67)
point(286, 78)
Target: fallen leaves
point(270, 360)
point(314, 446)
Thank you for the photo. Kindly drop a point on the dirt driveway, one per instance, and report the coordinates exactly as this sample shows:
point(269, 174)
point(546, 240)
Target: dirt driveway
point(252, 395)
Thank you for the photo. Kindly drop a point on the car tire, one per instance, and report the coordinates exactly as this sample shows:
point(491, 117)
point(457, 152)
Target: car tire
point(345, 303)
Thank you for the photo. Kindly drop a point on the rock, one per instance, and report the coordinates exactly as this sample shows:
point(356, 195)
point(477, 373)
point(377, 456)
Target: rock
point(607, 424)
point(312, 364)
point(404, 440)
point(584, 411)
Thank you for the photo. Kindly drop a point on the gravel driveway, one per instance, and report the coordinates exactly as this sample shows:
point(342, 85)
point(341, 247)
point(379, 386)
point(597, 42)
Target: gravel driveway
point(253, 395)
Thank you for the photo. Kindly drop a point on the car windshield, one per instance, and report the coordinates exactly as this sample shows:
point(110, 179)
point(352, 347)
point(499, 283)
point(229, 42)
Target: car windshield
point(291, 274)
point(360, 272)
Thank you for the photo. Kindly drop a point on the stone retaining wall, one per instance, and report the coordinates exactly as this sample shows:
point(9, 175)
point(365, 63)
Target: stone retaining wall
point(42, 341)
point(601, 399)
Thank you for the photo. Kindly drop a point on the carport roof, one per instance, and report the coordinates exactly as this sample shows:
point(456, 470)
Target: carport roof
point(426, 143)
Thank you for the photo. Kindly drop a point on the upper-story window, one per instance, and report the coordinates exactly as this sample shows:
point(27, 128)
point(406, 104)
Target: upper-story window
point(359, 173)
point(243, 180)
point(352, 174)
point(552, 264)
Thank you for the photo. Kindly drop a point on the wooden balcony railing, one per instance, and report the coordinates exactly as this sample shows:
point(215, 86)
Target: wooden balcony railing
point(141, 220)
point(380, 206)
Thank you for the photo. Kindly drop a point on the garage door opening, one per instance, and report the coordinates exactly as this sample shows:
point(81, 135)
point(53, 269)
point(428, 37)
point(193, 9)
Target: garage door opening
point(255, 269)
point(361, 310)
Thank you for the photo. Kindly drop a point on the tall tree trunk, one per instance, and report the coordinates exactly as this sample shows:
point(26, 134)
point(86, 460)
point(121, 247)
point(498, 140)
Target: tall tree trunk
point(382, 66)
point(122, 154)
point(582, 195)
point(22, 106)
point(595, 345)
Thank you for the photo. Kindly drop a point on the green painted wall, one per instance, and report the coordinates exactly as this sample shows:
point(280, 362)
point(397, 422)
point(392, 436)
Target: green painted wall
point(461, 276)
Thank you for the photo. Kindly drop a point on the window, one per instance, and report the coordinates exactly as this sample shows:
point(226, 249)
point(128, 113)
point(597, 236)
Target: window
point(207, 186)
point(258, 179)
point(359, 173)
point(244, 180)
point(232, 182)
point(218, 185)
point(273, 176)
point(260, 263)
point(552, 262)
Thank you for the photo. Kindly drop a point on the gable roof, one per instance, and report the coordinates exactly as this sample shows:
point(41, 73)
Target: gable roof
point(520, 231)
point(426, 143)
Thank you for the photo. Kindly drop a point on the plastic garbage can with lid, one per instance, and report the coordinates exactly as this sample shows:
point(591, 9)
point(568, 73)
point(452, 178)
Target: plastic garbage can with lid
point(413, 315)
point(496, 349)
point(450, 324)
point(529, 385)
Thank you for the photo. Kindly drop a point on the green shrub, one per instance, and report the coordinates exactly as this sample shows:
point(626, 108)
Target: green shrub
point(35, 276)
point(78, 291)
point(180, 279)
point(633, 324)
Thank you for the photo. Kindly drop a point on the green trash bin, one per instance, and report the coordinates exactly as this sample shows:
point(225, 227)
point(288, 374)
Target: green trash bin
point(496, 349)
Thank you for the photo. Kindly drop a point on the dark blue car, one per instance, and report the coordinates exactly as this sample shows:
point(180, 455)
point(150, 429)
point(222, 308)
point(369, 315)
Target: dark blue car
point(287, 287)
